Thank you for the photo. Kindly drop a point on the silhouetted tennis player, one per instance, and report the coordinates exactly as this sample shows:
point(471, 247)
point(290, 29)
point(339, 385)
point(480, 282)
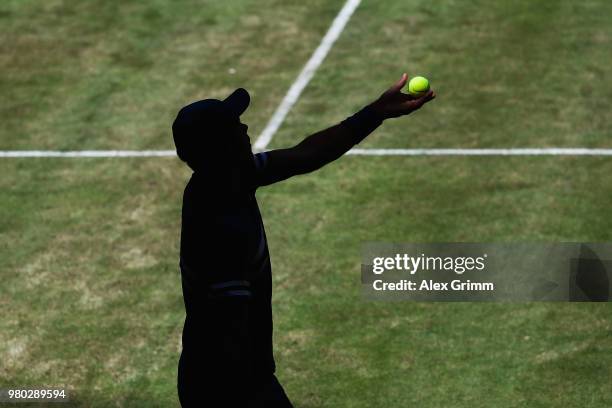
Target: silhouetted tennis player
point(227, 358)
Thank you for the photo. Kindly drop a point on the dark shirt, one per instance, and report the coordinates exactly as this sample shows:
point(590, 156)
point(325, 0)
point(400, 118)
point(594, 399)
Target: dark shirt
point(227, 282)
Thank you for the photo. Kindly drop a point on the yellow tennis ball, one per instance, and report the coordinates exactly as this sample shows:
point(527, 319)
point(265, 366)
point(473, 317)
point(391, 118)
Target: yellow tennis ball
point(418, 86)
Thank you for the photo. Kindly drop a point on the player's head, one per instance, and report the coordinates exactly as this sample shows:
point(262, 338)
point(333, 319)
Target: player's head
point(209, 136)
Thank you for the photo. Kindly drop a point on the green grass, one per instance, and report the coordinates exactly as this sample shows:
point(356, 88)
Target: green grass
point(91, 294)
point(508, 74)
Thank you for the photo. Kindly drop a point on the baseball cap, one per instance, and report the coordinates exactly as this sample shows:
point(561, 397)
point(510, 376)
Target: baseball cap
point(202, 123)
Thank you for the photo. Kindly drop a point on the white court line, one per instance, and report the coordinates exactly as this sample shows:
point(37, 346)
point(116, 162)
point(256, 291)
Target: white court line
point(88, 153)
point(546, 151)
point(306, 75)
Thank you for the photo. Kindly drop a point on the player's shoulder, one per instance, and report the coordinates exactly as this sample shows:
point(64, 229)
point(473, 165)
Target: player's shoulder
point(261, 160)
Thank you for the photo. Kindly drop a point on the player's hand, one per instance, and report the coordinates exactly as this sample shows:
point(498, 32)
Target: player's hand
point(394, 103)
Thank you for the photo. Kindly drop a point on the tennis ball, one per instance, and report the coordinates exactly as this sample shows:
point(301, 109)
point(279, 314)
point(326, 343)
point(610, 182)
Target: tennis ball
point(418, 86)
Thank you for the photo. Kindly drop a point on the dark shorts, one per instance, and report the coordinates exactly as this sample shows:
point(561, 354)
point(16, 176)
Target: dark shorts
point(198, 389)
point(271, 395)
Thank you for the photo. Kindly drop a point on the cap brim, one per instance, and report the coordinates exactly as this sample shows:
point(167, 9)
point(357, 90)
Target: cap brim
point(238, 101)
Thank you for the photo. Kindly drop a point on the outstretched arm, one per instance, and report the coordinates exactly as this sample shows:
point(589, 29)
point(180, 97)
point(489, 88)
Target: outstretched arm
point(327, 145)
